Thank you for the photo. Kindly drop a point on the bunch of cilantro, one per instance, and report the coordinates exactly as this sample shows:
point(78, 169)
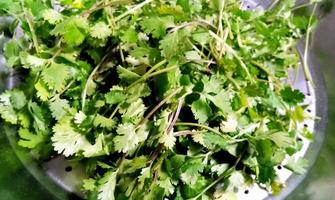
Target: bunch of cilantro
point(158, 99)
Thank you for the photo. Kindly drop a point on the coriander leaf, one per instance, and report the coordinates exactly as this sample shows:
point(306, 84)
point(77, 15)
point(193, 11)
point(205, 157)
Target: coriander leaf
point(129, 36)
point(190, 171)
point(59, 108)
point(230, 125)
point(89, 184)
point(134, 112)
point(107, 184)
point(104, 122)
point(135, 164)
point(201, 110)
point(73, 36)
point(167, 186)
point(157, 25)
point(30, 61)
point(222, 101)
point(12, 52)
point(127, 139)
point(281, 139)
point(30, 140)
point(42, 90)
point(115, 95)
point(212, 85)
point(292, 97)
point(6, 108)
point(55, 76)
point(79, 117)
point(18, 99)
point(210, 140)
point(127, 75)
point(298, 167)
point(66, 140)
point(139, 90)
point(168, 139)
point(201, 37)
point(100, 30)
point(39, 115)
point(236, 180)
point(98, 149)
point(52, 16)
point(174, 42)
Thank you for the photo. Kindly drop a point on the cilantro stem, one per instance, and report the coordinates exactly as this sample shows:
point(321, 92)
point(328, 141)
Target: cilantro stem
point(273, 4)
point(193, 23)
point(31, 27)
point(200, 126)
point(222, 176)
point(84, 93)
point(301, 6)
point(100, 6)
point(61, 92)
point(115, 111)
point(160, 104)
point(305, 60)
point(148, 74)
point(233, 52)
point(175, 117)
point(133, 9)
point(162, 71)
point(143, 78)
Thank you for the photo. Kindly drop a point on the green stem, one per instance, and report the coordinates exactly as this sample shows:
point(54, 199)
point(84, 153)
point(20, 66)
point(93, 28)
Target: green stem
point(200, 126)
point(147, 74)
point(132, 10)
point(115, 111)
point(222, 176)
point(301, 6)
point(305, 60)
point(84, 93)
point(31, 27)
point(162, 71)
point(160, 104)
point(100, 6)
point(233, 52)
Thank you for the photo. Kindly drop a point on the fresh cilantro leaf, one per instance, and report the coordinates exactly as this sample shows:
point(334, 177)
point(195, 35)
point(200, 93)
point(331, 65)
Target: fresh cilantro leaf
point(59, 108)
point(55, 76)
point(115, 95)
point(298, 167)
point(127, 139)
point(104, 122)
point(174, 42)
point(52, 16)
point(66, 140)
point(157, 25)
point(292, 97)
point(201, 110)
point(18, 99)
point(107, 184)
point(127, 75)
point(6, 108)
point(129, 36)
point(210, 140)
point(190, 171)
point(98, 149)
point(30, 140)
point(89, 184)
point(100, 30)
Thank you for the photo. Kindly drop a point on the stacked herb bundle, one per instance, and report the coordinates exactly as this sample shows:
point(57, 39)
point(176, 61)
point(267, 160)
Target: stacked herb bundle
point(161, 99)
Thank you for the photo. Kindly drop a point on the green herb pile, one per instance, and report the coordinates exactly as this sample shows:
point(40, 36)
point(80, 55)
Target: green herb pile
point(158, 99)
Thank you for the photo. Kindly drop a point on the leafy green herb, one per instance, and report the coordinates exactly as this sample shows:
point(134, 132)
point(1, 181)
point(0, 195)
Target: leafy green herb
point(162, 99)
